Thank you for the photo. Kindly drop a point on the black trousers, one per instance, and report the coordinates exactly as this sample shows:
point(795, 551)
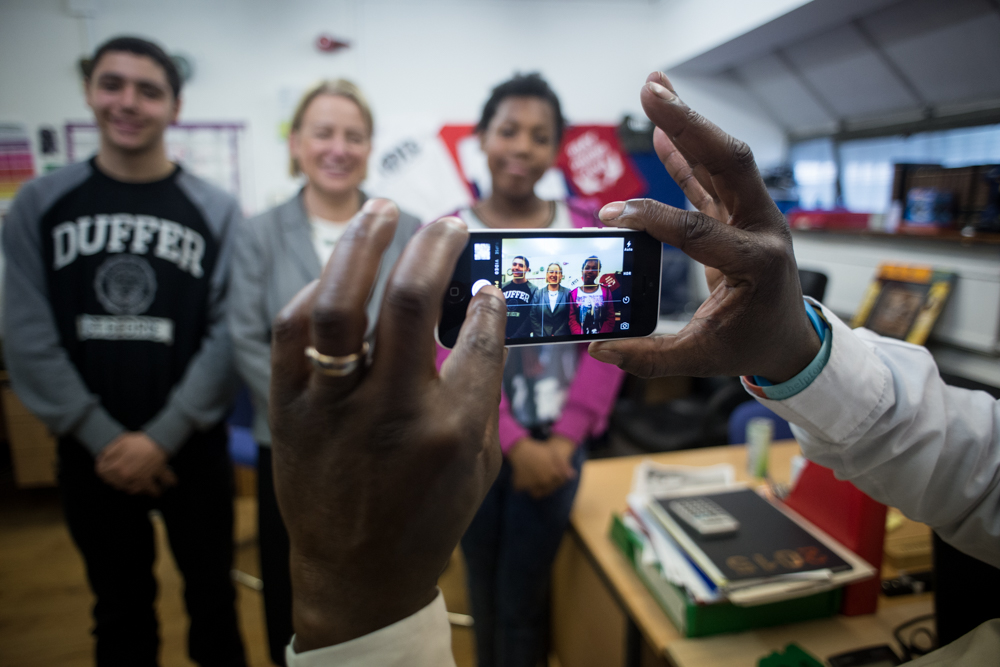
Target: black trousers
point(274, 565)
point(114, 534)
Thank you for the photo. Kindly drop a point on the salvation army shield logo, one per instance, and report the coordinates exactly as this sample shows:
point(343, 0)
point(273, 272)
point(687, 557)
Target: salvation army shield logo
point(125, 285)
point(596, 167)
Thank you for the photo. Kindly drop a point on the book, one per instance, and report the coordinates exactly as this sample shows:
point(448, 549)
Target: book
point(904, 301)
point(694, 619)
point(771, 552)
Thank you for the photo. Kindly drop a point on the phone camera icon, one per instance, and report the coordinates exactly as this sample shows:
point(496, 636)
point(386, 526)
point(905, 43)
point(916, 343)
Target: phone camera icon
point(624, 326)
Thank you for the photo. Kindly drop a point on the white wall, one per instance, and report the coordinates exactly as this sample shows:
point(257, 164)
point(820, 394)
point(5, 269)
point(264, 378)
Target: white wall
point(695, 26)
point(421, 63)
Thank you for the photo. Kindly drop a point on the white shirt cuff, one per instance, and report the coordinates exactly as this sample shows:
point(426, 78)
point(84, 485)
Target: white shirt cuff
point(420, 640)
point(854, 371)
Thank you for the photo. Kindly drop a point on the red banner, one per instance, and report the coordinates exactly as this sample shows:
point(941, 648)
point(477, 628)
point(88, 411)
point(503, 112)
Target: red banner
point(595, 165)
point(591, 159)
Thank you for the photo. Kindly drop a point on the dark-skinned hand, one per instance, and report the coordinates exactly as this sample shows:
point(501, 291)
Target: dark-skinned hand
point(754, 321)
point(379, 473)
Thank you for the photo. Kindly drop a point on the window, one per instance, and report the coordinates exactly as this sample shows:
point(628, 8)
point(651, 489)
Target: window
point(868, 164)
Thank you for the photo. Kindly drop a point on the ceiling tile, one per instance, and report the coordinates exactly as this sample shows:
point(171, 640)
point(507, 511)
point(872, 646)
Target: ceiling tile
point(785, 97)
point(851, 75)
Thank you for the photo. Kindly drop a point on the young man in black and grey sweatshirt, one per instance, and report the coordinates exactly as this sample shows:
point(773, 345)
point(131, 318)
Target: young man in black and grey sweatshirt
point(115, 337)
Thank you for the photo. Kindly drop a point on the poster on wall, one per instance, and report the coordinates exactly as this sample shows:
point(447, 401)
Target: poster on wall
point(595, 165)
point(17, 165)
point(216, 152)
point(416, 171)
point(432, 175)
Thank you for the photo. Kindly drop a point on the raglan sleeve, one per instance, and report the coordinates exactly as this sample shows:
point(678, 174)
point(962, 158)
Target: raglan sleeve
point(41, 373)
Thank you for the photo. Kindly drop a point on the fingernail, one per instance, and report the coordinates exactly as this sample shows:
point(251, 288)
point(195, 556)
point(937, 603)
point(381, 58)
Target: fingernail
point(491, 291)
point(378, 206)
point(607, 356)
point(611, 211)
point(660, 91)
point(455, 222)
point(292, 306)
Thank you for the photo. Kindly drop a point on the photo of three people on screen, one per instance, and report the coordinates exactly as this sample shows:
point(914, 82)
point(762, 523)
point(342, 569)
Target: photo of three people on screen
point(553, 291)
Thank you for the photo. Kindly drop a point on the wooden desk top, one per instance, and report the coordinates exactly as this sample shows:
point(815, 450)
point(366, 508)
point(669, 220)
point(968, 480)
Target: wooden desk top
point(605, 483)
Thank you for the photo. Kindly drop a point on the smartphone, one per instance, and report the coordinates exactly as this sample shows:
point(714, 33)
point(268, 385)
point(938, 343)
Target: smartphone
point(561, 286)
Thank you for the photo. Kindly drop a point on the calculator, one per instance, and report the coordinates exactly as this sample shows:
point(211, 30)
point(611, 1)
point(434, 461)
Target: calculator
point(705, 516)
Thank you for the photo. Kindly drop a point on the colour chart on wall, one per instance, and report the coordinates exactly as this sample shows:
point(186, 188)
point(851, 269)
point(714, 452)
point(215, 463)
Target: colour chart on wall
point(17, 165)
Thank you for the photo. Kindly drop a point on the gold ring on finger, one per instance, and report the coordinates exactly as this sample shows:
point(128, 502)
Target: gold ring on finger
point(336, 366)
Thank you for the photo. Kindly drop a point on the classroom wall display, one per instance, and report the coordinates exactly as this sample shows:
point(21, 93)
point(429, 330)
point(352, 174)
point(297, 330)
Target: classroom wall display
point(416, 171)
point(432, 175)
point(213, 151)
point(17, 165)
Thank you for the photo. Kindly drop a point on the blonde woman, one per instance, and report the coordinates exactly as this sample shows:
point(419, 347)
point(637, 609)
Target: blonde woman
point(550, 305)
point(277, 254)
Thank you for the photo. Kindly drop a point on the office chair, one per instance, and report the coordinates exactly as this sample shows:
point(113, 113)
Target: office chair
point(813, 283)
point(697, 420)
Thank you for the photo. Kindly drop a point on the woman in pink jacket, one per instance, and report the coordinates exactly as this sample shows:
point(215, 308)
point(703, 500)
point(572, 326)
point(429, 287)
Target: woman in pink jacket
point(555, 397)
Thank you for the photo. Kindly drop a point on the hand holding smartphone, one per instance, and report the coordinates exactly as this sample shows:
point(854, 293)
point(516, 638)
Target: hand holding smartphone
point(561, 286)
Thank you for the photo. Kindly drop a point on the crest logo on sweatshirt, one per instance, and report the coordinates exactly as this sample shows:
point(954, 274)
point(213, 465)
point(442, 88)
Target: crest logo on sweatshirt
point(125, 285)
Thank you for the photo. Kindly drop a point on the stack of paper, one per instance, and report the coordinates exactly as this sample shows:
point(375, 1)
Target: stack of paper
point(774, 555)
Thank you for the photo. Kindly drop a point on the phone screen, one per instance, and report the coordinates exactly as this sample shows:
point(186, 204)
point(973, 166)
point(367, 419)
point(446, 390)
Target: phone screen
point(560, 286)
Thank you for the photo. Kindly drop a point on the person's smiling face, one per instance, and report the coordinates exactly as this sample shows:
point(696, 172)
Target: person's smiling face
point(332, 145)
point(553, 275)
point(520, 145)
point(517, 269)
point(132, 101)
point(590, 270)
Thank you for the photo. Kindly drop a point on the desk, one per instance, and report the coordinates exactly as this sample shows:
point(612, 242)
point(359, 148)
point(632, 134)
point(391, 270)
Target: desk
point(603, 614)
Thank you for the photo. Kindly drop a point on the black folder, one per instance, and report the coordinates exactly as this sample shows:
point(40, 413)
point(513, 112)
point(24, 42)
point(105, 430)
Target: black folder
point(767, 544)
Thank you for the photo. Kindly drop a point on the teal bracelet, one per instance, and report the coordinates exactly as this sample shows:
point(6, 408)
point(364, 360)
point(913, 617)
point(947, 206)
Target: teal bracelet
point(788, 389)
point(793, 386)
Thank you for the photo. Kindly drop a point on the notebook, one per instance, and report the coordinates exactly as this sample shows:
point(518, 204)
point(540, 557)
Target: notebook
point(768, 543)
